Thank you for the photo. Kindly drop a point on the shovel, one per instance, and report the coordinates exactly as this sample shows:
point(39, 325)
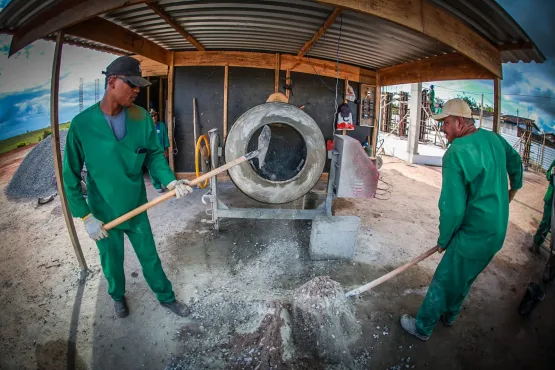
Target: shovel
point(260, 153)
point(391, 274)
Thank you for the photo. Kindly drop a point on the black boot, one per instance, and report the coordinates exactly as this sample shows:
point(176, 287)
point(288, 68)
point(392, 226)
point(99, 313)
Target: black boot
point(178, 308)
point(121, 308)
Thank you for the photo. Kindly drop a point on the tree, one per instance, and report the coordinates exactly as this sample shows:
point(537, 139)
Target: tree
point(470, 101)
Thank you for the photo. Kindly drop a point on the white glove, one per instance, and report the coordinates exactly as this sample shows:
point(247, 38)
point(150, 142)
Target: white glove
point(95, 228)
point(181, 187)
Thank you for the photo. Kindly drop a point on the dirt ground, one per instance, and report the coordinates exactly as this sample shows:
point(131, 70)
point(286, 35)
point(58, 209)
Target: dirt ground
point(50, 319)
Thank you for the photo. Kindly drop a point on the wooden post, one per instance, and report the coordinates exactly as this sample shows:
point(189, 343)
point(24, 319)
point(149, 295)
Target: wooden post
point(288, 82)
point(481, 110)
point(160, 98)
point(170, 109)
point(56, 152)
point(226, 83)
point(376, 128)
point(543, 150)
point(496, 104)
point(276, 77)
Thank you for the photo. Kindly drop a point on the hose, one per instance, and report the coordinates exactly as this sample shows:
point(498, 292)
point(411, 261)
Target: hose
point(197, 151)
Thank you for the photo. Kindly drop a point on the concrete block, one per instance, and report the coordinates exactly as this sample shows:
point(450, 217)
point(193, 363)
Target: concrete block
point(333, 237)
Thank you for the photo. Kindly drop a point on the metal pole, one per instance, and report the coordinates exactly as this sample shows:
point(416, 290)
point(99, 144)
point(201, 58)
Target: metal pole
point(56, 152)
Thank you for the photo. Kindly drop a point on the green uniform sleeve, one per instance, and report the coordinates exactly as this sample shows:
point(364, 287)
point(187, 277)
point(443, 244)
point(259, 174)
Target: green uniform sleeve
point(452, 201)
point(166, 138)
point(71, 172)
point(155, 160)
point(548, 173)
point(514, 165)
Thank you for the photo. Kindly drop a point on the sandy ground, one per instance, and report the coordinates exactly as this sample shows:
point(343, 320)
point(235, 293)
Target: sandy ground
point(50, 319)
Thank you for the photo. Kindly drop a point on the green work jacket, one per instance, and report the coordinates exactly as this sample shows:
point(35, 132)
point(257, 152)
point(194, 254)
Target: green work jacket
point(162, 134)
point(549, 193)
point(474, 201)
point(115, 183)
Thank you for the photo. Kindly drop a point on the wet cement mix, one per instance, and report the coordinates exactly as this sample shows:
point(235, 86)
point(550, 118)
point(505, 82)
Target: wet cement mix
point(262, 319)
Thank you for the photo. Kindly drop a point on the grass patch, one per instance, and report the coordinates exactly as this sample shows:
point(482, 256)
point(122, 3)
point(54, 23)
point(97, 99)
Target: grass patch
point(27, 138)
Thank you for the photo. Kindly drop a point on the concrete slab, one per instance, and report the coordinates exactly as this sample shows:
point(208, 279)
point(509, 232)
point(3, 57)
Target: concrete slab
point(333, 237)
point(430, 155)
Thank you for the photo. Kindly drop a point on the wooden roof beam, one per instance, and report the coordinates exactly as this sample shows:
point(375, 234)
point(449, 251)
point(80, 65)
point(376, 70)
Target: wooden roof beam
point(327, 24)
point(156, 8)
point(64, 13)
point(448, 67)
point(108, 33)
point(424, 17)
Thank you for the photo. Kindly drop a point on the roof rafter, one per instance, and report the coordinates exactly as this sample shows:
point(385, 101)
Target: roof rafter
point(105, 32)
point(156, 8)
point(64, 13)
point(327, 24)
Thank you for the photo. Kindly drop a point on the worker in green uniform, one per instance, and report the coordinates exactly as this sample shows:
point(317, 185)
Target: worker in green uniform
point(162, 133)
point(432, 99)
point(474, 213)
point(545, 224)
point(115, 138)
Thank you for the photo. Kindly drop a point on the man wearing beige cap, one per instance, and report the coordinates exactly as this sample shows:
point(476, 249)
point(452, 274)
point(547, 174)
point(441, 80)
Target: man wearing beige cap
point(473, 213)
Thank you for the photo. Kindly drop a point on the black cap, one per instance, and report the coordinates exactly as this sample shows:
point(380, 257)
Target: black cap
point(128, 67)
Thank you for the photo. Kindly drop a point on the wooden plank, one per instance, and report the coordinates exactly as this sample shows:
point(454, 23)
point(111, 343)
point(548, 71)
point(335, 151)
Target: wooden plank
point(454, 32)
point(327, 24)
point(56, 151)
point(376, 128)
point(108, 33)
point(151, 68)
point(288, 82)
point(226, 89)
point(60, 15)
point(276, 73)
point(156, 8)
point(424, 17)
point(222, 58)
point(267, 61)
point(441, 68)
point(170, 108)
point(497, 113)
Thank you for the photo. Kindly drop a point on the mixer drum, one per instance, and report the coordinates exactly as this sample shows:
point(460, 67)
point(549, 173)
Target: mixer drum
point(295, 159)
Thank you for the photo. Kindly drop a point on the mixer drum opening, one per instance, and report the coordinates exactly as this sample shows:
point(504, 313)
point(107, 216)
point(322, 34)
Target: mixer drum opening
point(295, 159)
point(286, 155)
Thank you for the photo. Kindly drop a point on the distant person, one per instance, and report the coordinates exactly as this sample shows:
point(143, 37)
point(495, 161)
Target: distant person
point(432, 99)
point(162, 133)
point(473, 214)
point(115, 138)
point(545, 224)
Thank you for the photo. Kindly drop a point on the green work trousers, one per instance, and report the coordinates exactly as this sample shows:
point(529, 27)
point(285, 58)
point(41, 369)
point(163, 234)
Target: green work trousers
point(450, 285)
point(545, 224)
point(111, 259)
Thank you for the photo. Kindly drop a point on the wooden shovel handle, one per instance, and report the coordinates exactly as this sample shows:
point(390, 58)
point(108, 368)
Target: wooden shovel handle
point(171, 194)
point(391, 274)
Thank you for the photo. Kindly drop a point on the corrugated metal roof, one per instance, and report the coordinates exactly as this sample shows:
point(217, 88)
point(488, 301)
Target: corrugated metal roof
point(493, 22)
point(285, 25)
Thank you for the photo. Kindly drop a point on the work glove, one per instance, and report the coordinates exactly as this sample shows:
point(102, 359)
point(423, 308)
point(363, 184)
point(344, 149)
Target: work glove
point(95, 228)
point(181, 187)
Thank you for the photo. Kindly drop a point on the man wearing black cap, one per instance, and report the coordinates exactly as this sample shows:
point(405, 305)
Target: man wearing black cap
point(114, 139)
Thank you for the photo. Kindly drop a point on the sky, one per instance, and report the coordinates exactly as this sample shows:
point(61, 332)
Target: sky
point(25, 77)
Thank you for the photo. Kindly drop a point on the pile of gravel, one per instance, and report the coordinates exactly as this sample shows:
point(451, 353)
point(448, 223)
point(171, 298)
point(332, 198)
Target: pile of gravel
point(35, 176)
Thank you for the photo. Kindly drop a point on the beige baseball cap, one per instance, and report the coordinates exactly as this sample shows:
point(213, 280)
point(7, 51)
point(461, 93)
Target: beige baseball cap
point(454, 107)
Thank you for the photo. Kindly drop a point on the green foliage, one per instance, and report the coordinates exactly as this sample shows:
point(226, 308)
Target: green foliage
point(470, 101)
point(30, 138)
point(46, 133)
point(22, 144)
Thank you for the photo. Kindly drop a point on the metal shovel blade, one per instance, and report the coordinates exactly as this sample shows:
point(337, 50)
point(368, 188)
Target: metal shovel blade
point(263, 144)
